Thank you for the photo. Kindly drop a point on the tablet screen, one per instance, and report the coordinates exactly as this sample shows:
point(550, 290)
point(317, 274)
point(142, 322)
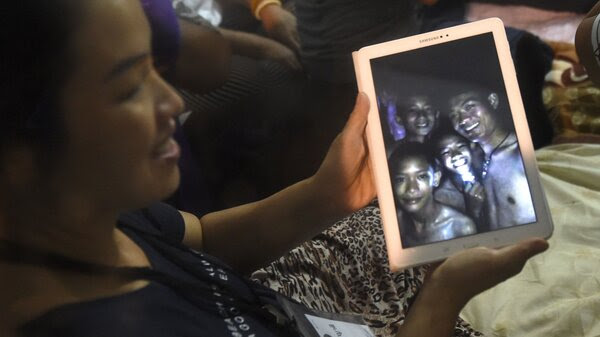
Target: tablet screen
point(453, 156)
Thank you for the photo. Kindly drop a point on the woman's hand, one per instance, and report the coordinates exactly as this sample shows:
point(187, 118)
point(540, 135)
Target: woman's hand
point(344, 181)
point(280, 24)
point(475, 270)
point(453, 283)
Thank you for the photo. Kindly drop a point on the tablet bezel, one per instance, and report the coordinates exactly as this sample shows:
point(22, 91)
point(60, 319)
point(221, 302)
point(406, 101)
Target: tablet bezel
point(400, 257)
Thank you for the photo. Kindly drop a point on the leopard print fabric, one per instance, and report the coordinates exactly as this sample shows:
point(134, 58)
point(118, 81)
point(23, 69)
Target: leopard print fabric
point(345, 269)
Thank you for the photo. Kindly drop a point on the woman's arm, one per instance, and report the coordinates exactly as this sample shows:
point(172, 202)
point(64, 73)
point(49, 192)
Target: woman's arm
point(250, 236)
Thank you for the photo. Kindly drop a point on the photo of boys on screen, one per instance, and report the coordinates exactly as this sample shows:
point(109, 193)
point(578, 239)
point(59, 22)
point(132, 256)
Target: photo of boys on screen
point(453, 155)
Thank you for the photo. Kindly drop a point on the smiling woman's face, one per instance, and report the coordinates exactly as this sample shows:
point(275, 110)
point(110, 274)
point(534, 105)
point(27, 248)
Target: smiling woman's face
point(119, 114)
point(414, 181)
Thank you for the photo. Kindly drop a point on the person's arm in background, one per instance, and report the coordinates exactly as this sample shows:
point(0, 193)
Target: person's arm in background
point(180, 51)
point(197, 33)
point(203, 60)
point(278, 22)
point(259, 47)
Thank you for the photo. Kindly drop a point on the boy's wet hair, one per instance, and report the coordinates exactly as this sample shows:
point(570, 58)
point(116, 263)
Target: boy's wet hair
point(443, 131)
point(408, 150)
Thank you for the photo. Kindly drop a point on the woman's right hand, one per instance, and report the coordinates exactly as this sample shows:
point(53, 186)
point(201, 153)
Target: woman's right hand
point(472, 271)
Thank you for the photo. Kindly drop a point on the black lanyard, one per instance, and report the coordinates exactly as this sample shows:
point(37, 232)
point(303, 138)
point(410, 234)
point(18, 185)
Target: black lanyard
point(262, 304)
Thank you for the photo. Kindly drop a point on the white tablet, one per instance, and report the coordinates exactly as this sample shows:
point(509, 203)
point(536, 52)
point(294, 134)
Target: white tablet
point(452, 155)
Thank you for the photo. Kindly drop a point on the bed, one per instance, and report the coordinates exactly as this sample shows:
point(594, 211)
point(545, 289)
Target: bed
point(558, 292)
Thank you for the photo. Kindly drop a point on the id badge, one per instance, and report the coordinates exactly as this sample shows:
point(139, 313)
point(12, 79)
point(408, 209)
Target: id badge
point(311, 323)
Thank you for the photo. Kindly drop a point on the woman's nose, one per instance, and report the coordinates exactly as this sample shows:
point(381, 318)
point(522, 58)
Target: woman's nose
point(169, 103)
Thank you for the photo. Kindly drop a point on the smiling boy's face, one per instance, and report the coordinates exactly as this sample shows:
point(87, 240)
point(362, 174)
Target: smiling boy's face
point(454, 153)
point(419, 116)
point(471, 117)
point(414, 182)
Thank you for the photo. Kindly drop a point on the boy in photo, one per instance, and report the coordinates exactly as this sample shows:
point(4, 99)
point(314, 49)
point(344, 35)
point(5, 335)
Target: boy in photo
point(415, 176)
point(462, 187)
point(475, 115)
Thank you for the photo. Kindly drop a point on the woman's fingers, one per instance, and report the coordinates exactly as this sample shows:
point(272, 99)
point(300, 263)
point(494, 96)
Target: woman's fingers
point(358, 118)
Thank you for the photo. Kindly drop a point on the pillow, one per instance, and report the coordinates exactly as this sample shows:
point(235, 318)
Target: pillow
point(572, 100)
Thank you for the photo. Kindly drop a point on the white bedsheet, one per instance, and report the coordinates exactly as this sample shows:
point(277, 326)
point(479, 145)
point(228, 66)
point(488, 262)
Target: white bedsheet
point(558, 292)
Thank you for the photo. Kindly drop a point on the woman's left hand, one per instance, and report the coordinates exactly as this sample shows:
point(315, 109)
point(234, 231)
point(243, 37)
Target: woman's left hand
point(344, 181)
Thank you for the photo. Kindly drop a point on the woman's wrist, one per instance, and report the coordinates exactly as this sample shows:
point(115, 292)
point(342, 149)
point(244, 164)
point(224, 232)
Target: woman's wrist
point(326, 200)
point(440, 293)
point(434, 312)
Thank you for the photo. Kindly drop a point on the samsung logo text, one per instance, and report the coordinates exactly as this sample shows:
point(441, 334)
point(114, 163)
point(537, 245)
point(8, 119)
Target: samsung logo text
point(430, 39)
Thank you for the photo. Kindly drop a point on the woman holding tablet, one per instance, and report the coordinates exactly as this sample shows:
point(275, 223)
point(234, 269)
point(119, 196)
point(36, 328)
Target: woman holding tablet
point(86, 152)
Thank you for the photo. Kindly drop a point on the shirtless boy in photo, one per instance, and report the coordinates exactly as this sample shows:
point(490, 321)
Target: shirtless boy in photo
point(474, 115)
point(461, 187)
point(419, 116)
point(409, 120)
point(422, 219)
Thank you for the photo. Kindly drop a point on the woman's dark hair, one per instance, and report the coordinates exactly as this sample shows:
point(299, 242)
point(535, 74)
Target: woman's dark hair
point(34, 65)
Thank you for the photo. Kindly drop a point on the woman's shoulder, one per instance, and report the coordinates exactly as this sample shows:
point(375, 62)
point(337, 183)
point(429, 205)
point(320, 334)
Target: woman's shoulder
point(30, 292)
point(158, 219)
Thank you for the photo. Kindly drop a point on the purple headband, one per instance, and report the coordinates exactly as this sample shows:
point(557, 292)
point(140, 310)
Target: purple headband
point(165, 32)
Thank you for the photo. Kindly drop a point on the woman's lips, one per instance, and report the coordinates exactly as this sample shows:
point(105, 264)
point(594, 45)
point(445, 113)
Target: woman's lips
point(169, 149)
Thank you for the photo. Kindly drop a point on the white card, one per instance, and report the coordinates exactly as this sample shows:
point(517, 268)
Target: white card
point(331, 328)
